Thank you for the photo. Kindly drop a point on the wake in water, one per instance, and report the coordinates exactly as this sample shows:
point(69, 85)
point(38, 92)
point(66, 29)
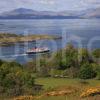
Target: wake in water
point(17, 55)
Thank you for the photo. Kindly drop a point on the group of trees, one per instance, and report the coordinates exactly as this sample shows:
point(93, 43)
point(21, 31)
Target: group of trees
point(14, 79)
point(71, 62)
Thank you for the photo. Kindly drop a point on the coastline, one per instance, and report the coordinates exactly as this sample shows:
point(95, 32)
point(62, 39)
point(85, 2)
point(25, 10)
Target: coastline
point(7, 39)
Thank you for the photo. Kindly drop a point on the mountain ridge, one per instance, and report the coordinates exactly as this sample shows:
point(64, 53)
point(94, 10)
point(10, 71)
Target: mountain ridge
point(24, 13)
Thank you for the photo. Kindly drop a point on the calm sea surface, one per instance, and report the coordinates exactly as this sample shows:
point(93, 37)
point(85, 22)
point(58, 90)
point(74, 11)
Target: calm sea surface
point(81, 32)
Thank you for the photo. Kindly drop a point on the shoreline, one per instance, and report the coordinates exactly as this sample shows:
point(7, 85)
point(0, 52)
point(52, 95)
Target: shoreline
point(7, 39)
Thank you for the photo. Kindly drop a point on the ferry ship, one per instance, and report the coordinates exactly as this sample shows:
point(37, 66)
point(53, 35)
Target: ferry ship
point(38, 50)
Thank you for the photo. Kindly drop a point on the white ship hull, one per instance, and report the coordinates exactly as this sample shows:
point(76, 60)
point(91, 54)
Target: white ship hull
point(37, 50)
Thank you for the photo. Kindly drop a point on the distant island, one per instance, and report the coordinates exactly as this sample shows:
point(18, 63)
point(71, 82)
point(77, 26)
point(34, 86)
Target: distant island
point(24, 13)
point(7, 39)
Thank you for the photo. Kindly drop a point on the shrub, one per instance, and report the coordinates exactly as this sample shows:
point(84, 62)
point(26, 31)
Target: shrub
point(43, 72)
point(96, 68)
point(96, 53)
point(87, 72)
point(25, 98)
point(14, 80)
point(1, 62)
point(90, 92)
point(71, 72)
point(98, 74)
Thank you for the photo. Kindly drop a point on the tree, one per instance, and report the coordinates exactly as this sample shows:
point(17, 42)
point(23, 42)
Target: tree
point(87, 72)
point(14, 80)
point(84, 56)
point(96, 53)
point(1, 62)
point(67, 57)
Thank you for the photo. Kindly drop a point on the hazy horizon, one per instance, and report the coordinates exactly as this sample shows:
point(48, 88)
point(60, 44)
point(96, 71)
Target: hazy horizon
point(48, 5)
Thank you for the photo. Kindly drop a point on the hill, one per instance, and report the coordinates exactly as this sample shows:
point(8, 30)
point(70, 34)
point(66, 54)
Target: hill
point(91, 13)
point(23, 13)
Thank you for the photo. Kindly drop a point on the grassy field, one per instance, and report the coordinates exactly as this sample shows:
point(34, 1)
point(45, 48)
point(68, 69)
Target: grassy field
point(52, 83)
point(56, 82)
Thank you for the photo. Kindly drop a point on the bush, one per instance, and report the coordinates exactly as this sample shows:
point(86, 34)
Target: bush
point(96, 68)
point(44, 72)
point(65, 58)
point(71, 72)
point(96, 53)
point(1, 62)
point(90, 92)
point(14, 80)
point(87, 72)
point(98, 73)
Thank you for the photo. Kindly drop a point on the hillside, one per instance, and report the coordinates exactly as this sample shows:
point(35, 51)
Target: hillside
point(92, 13)
point(23, 13)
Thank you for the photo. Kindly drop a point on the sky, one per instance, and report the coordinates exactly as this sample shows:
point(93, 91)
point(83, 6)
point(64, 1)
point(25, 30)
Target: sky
point(48, 5)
